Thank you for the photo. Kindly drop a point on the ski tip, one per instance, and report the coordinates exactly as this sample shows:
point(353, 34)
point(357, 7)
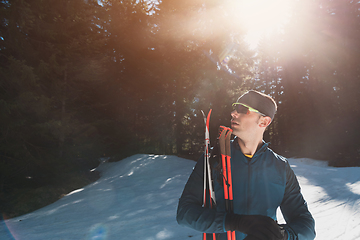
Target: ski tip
point(208, 116)
point(208, 119)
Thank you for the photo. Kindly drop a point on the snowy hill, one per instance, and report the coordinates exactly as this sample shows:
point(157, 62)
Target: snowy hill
point(137, 197)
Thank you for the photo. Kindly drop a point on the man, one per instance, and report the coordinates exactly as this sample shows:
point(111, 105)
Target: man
point(261, 180)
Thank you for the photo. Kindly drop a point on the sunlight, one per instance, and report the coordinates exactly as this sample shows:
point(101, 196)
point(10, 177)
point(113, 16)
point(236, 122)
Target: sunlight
point(354, 187)
point(75, 191)
point(261, 17)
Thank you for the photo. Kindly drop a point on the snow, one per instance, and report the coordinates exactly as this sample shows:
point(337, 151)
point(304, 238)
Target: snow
point(136, 198)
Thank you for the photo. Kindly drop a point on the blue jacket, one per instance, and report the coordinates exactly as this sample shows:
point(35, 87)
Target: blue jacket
point(260, 186)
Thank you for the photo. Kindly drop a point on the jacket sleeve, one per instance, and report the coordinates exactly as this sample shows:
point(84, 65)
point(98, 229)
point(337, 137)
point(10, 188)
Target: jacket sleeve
point(299, 222)
point(190, 212)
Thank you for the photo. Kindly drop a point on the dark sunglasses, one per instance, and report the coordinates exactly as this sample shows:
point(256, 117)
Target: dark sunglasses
point(242, 108)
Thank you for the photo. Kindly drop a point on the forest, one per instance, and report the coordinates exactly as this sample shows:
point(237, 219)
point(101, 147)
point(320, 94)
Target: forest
point(84, 80)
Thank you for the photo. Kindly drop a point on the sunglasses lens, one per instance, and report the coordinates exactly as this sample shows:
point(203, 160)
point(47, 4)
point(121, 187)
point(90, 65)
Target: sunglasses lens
point(241, 109)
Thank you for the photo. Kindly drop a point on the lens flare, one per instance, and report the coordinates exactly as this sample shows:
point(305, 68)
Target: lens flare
point(8, 231)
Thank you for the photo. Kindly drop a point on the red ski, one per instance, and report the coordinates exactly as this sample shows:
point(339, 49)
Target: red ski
point(209, 200)
point(225, 153)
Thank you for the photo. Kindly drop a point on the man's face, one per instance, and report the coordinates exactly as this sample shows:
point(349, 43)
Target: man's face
point(245, 124)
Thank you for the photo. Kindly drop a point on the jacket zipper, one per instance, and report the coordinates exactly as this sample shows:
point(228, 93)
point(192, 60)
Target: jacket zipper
point(248, 190)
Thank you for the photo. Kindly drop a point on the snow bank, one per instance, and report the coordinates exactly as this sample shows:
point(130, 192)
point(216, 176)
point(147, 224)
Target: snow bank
point(137, 197)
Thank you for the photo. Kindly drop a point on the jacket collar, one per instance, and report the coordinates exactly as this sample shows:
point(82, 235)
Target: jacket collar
point(258, 152)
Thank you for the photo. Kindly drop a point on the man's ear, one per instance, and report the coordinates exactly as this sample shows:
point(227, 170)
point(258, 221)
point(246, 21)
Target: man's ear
point(265, 121)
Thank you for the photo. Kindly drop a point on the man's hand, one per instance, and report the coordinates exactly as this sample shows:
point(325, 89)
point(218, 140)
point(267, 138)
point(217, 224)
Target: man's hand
point(283, 233)
point(257, 227)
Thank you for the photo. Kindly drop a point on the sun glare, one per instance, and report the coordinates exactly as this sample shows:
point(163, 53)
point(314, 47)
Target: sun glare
point(261, 17)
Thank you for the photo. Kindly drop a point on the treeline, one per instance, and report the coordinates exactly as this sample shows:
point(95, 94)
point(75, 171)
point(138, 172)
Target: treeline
point(81, 80)
point(313, 71)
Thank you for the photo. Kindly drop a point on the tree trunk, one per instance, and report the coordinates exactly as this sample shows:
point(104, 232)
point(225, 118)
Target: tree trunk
point(62, 120)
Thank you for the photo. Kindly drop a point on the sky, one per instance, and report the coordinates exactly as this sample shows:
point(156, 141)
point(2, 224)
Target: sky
point(136, 198)
point(260, 18)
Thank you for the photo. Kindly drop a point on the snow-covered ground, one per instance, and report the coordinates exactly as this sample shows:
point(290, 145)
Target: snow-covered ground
point(137, 197)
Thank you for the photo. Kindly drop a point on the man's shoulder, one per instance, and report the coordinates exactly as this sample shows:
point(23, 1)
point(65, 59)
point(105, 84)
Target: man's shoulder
point(276, 156)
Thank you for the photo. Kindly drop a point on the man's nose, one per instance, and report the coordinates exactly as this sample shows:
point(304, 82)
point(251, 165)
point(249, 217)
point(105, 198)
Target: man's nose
point(233, 113)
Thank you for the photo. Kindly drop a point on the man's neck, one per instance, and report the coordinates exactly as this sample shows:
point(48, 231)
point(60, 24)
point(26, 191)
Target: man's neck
point(249, 147)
